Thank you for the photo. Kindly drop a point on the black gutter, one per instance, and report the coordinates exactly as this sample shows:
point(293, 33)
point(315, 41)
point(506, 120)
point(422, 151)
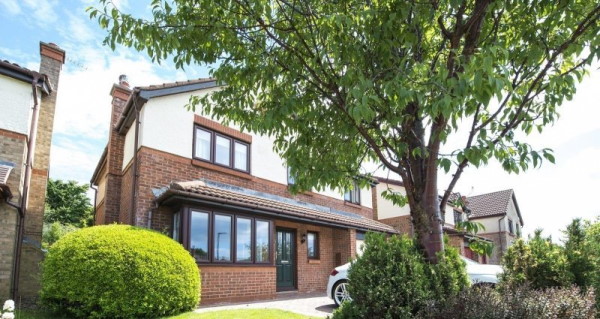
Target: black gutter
point(135, 163)
point(95, 199)
point(25, 75)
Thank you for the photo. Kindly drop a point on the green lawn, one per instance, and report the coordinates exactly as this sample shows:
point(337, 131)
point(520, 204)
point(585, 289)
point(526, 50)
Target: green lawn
point(243, 314)
point(222, 314)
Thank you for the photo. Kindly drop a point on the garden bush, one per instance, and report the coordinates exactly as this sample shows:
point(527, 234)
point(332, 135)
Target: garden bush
point(119, 271)
point(521, 302)
point(538, 262)
point(392, 279)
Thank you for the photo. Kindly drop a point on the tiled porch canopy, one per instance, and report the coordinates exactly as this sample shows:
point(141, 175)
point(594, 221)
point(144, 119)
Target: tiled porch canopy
point(209, 192)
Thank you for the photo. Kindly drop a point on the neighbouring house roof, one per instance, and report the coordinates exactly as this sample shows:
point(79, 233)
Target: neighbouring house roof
point(142, 94)
point(210, 192)
point(99, 166)
point(20, 73)
point(492, 204)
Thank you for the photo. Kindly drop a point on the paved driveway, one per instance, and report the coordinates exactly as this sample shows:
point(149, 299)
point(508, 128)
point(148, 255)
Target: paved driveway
point(310, 305)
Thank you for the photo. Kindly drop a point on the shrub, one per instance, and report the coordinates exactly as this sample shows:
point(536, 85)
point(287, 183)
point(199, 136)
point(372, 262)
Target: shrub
point(54, 231)
point(119, 271)
point(392, 279)
point(539, 263)
point(519, 302)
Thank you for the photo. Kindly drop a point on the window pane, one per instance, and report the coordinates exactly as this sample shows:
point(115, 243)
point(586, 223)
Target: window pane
point(347, 196)
point(222, 238)
point(244, 239)
point(203, 142)
point(241, 156)
point(262, 241)
point(223, 146)
point(199, 235)
point(311, 240)
point(291, 179)
point(176, 226)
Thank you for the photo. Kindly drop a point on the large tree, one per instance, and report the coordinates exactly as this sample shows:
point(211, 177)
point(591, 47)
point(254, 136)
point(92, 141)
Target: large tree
point(67, 203)
point(341, 82)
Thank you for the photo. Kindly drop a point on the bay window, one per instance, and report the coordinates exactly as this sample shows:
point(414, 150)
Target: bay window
point(220, 237)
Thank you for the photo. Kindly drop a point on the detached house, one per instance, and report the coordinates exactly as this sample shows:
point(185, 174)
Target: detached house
point(500, 214)
point(27, 104)
point(223, 194)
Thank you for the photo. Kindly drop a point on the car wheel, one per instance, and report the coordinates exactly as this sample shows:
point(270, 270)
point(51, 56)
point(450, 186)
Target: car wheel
point(340, 292)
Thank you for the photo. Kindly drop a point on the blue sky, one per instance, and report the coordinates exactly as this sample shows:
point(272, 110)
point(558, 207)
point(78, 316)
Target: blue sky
point(549, 197)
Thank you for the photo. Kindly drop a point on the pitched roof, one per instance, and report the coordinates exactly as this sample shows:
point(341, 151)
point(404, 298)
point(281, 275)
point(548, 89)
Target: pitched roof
point(176, 84)
point(269, 204)
point(18, 72)
point(492, 204)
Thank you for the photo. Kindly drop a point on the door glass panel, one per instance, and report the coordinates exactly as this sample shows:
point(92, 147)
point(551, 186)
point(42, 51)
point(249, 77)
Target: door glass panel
point(222, 151)
point(262, 241)
point(199, 236)
point(243, 236)
point(222, 238)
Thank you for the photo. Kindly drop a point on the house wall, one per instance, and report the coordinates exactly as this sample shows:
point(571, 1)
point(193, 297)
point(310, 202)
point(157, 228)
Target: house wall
point(168, 126)
point(17, 102)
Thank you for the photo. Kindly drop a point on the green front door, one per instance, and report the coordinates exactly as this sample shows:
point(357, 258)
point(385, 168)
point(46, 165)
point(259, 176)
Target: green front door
point(285, 259)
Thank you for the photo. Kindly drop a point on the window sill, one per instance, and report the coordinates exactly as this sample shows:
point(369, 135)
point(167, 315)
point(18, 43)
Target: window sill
point(352, 204)
point(314, 261)
point(221, 169)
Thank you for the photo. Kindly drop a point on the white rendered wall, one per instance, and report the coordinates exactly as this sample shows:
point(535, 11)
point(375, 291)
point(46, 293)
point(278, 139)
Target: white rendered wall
point(385, 208)
point(15, 105)
point(166, 125)
point(128, 147)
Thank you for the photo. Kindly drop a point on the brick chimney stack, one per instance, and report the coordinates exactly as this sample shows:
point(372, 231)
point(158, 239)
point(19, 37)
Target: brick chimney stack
point(52, 57)
point(116, 142)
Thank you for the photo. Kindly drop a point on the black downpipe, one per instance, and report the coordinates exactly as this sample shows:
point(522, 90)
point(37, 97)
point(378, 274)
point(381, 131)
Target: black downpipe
point(26, 182)
point(135, 163)
point(95, 197)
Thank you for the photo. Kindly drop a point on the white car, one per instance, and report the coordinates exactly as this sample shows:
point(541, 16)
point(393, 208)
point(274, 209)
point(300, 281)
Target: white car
point(482, 273)
point(337, 286)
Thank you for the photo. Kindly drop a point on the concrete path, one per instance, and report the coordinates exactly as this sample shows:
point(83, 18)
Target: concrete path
point(310, 305)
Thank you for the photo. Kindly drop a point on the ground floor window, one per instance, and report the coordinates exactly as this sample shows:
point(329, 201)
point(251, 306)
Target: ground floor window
point(223, 237)
point(312, 245)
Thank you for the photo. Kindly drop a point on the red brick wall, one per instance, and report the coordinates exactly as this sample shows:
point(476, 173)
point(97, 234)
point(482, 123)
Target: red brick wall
point(126, 191)
point(233, 284)
point(400, 223)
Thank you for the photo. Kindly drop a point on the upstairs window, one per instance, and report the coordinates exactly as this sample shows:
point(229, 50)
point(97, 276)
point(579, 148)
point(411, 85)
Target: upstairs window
point(353, 195)
point(290, 178)
point(510, 226)
point(220, 149)
point(458, 217)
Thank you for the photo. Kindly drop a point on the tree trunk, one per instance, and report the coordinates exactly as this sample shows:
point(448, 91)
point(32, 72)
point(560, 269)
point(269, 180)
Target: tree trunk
point(428, 226)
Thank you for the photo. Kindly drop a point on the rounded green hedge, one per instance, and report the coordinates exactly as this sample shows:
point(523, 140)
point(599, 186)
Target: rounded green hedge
point(119, 271)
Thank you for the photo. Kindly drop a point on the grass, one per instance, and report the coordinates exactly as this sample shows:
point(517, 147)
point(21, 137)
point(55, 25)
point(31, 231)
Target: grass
point(243, 314)
point(221, 314)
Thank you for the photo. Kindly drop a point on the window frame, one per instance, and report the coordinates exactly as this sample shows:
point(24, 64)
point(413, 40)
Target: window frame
point(354, 195)
point(291, 180)
point(317, 255)
point(186, 236)
point(213, 149)
point(511, 229)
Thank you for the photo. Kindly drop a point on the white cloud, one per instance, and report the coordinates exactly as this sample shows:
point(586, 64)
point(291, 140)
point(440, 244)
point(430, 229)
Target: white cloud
point(77, 29)
point(42, 11)
point(12, 6)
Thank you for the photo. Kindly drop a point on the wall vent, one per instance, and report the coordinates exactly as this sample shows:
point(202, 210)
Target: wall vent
point(5, 168)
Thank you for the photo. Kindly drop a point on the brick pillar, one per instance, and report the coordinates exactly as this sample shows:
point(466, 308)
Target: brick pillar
point(344, 246)
point(52, 59)
point(114, 157)
point(374, 201)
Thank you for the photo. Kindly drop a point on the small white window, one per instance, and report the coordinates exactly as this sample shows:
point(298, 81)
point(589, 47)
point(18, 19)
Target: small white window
point(353, 195)
point(223, 151)
point(203, 144)
point(240, 156)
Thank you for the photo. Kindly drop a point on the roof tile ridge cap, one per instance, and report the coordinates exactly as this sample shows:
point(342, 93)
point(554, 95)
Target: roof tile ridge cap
point(185, 186)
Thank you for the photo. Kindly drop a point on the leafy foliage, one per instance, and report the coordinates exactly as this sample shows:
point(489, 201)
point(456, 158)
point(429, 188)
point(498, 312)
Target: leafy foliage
point(582, 248)
point(119, 271)
point(393, 280)
point(52, 232)
point(538, 262)
point(338, 83)
point(521, 302)
point(67, 203)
